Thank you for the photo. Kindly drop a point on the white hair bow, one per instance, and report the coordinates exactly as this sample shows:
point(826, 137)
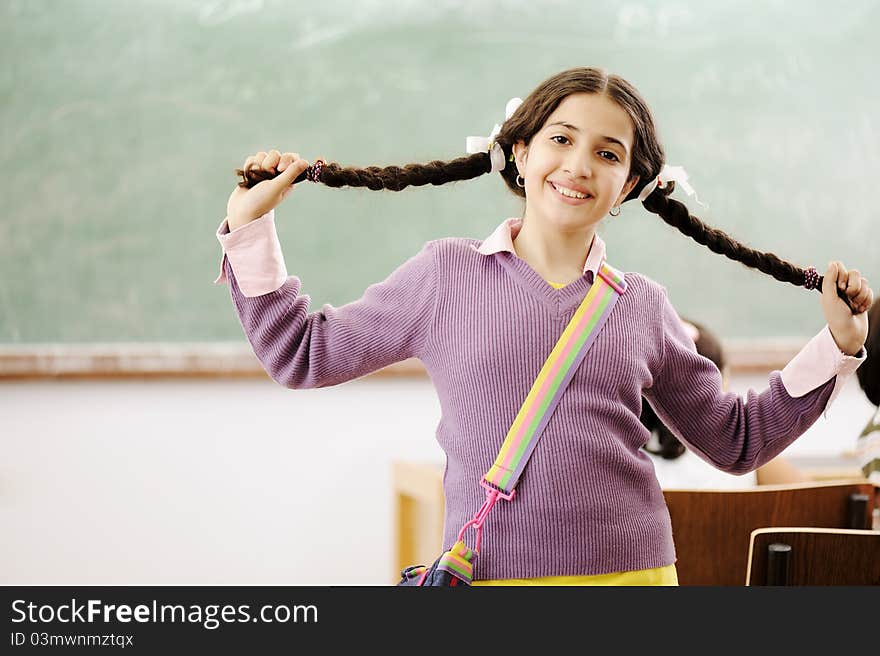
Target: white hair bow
point(670, 174)
point(483, 144)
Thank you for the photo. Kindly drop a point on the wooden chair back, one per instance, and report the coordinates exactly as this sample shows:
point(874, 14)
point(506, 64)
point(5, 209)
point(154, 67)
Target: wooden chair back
point(813, 556)
point(712, 528)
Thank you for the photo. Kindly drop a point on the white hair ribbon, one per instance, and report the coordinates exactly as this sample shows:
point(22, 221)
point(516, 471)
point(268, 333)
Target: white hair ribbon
point(670, 174)
point(483, 144)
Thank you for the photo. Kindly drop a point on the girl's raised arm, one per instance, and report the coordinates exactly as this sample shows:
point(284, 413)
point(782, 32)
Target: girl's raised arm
point(297, 347)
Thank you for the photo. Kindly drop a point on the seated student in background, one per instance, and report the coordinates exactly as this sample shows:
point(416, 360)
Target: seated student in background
point(868, 443)
point(678, 467)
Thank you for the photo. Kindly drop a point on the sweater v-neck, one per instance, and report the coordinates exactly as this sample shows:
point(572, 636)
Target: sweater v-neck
point(558, 302)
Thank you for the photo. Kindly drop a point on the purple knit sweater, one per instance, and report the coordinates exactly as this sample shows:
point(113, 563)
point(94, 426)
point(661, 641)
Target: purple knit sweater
point(588, 501)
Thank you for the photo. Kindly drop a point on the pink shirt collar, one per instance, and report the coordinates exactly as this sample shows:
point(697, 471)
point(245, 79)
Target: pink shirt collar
point(502, 240)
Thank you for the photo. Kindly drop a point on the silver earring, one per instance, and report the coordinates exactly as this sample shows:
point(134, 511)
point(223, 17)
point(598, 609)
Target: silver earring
point(613, 213)
point(521, 185)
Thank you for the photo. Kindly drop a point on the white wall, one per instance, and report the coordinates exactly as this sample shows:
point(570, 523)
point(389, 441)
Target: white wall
point(228, 482)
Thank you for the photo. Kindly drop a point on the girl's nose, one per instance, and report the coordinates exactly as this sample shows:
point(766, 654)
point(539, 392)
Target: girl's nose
point(578, 165)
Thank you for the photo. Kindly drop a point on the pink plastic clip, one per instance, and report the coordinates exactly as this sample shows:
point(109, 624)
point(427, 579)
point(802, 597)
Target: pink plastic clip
point(491, 488)
point(492, 496)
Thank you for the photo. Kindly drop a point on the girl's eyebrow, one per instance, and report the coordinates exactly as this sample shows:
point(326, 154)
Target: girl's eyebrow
point(603, 138)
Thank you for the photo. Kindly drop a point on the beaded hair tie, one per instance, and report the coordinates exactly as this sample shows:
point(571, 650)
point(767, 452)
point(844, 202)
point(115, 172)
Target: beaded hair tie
point(811, 278)
point(313, 173)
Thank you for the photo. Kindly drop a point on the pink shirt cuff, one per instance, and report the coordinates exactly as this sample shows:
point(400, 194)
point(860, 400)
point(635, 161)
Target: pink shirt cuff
point(254, 253)
point(818, 362)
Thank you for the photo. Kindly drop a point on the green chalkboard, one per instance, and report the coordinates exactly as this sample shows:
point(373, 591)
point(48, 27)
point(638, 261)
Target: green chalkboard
point(122, 123)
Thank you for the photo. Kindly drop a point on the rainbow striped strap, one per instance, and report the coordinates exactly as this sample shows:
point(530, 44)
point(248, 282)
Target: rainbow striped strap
point(458, 562)
point(557, 372)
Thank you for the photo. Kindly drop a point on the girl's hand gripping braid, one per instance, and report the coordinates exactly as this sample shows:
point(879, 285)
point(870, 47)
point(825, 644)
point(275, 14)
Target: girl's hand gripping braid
point(848, 327)
point(246, 205)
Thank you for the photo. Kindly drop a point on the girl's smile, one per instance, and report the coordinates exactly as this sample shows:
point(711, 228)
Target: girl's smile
point(571, 194)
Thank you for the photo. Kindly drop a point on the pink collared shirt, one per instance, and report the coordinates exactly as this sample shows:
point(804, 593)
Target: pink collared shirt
point(254, 253)
point(501, 240)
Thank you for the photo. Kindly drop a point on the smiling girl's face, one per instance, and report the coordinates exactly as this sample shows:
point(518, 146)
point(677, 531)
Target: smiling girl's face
point(576, 166)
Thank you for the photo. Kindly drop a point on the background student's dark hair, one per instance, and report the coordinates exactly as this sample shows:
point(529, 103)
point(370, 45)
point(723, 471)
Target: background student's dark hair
point(669, 446)
point(647, 161)
point(869, 371)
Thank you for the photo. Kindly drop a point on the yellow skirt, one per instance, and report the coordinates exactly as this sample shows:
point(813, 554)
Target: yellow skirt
point(655, 576)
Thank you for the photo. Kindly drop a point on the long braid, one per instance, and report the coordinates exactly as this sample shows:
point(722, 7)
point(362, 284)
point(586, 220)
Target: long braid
point(676, 214)
point(392, 178)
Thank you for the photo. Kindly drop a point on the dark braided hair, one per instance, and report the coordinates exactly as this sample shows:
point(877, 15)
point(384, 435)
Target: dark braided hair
point(392, 178)
point(648, 158)
point(676, 214)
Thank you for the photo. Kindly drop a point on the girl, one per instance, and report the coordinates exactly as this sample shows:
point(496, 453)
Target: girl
point(483, 316)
